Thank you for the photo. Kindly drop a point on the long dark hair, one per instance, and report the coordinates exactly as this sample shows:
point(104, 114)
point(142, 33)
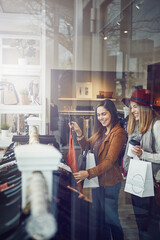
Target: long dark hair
point(109, 106)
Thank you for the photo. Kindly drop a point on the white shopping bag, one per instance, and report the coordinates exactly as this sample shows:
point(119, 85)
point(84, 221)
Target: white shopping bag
point(139, 180)
point(90, 163)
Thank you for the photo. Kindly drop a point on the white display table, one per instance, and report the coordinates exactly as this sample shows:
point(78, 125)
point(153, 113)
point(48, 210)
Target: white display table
point(6, 141)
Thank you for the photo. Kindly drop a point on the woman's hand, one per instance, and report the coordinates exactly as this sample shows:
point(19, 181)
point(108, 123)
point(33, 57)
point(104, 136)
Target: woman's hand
point(137, 150)
point(76, 128)
point(81, 175)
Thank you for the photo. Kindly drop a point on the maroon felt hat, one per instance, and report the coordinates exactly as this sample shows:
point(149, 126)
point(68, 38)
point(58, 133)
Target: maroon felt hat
point(141, 96)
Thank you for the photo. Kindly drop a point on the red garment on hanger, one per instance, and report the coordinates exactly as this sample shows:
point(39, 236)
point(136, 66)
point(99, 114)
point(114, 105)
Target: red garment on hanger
point(5, 186)
point(72, 163)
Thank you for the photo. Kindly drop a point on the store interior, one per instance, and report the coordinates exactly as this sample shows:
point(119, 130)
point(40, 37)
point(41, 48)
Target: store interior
point(58, 60)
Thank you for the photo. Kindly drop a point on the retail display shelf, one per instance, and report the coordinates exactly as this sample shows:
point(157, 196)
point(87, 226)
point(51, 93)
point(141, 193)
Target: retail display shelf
point(65, 112)
point(22, 64)
point(85, 99)
point(22, 109)
point(69, 112)
point(29, 70)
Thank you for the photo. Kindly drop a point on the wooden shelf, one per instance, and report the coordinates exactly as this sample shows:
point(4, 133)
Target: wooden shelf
point(65, 112)
point(76, 112)
point(85, 99)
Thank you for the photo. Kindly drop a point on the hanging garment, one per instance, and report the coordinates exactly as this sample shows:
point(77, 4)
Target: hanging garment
point(10, 193)
point(72, 163)
point(76, 217)
point(54, 117)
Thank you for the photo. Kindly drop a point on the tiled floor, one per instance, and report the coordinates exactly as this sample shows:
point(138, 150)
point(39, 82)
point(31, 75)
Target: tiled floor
point(126, 215)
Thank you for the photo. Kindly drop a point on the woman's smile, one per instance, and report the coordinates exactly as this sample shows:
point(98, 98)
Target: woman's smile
point(104, 116)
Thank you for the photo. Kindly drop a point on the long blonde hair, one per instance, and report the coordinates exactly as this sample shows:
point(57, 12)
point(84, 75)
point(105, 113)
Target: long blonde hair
point(146, 116)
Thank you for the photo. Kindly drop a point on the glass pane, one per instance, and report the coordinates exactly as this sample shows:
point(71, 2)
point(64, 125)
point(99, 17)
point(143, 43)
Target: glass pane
point(71, 62)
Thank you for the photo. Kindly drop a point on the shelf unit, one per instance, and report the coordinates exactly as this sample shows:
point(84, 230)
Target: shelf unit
point(85, 99)
point(63, 112)
point(82, 112)
point(20, 109)
point(11, 71)
point(24, 70)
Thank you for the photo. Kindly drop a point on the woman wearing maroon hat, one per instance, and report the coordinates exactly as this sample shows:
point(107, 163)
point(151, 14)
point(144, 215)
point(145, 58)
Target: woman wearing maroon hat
point(144, 127)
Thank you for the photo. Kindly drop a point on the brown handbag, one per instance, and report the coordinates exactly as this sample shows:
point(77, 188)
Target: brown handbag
point(157, 191)
point(10, 96)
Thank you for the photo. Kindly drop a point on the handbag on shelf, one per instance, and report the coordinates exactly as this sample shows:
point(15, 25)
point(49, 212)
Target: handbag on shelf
point(157, 191)
point(10, 96)
point(139, 180)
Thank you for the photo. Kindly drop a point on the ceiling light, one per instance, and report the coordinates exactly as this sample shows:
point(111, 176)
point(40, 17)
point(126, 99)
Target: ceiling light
point(125, 31)
point(105, 38)
point(139, 3)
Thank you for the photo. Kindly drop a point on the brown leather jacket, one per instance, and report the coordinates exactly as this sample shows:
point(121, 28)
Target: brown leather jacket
point(108, 170)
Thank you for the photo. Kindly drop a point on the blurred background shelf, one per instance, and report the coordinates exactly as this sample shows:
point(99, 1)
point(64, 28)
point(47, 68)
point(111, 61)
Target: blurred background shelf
point(85, 99)
point(21, 109)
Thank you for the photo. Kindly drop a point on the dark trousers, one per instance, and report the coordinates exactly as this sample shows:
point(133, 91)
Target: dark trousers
point(105, 201)
point(147, 215)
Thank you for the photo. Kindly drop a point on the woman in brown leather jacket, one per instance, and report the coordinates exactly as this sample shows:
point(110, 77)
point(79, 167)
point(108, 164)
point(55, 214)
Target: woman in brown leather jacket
point(106, 143)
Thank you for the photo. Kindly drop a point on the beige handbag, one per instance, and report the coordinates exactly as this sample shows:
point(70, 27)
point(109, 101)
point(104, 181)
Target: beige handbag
point(10, 96)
